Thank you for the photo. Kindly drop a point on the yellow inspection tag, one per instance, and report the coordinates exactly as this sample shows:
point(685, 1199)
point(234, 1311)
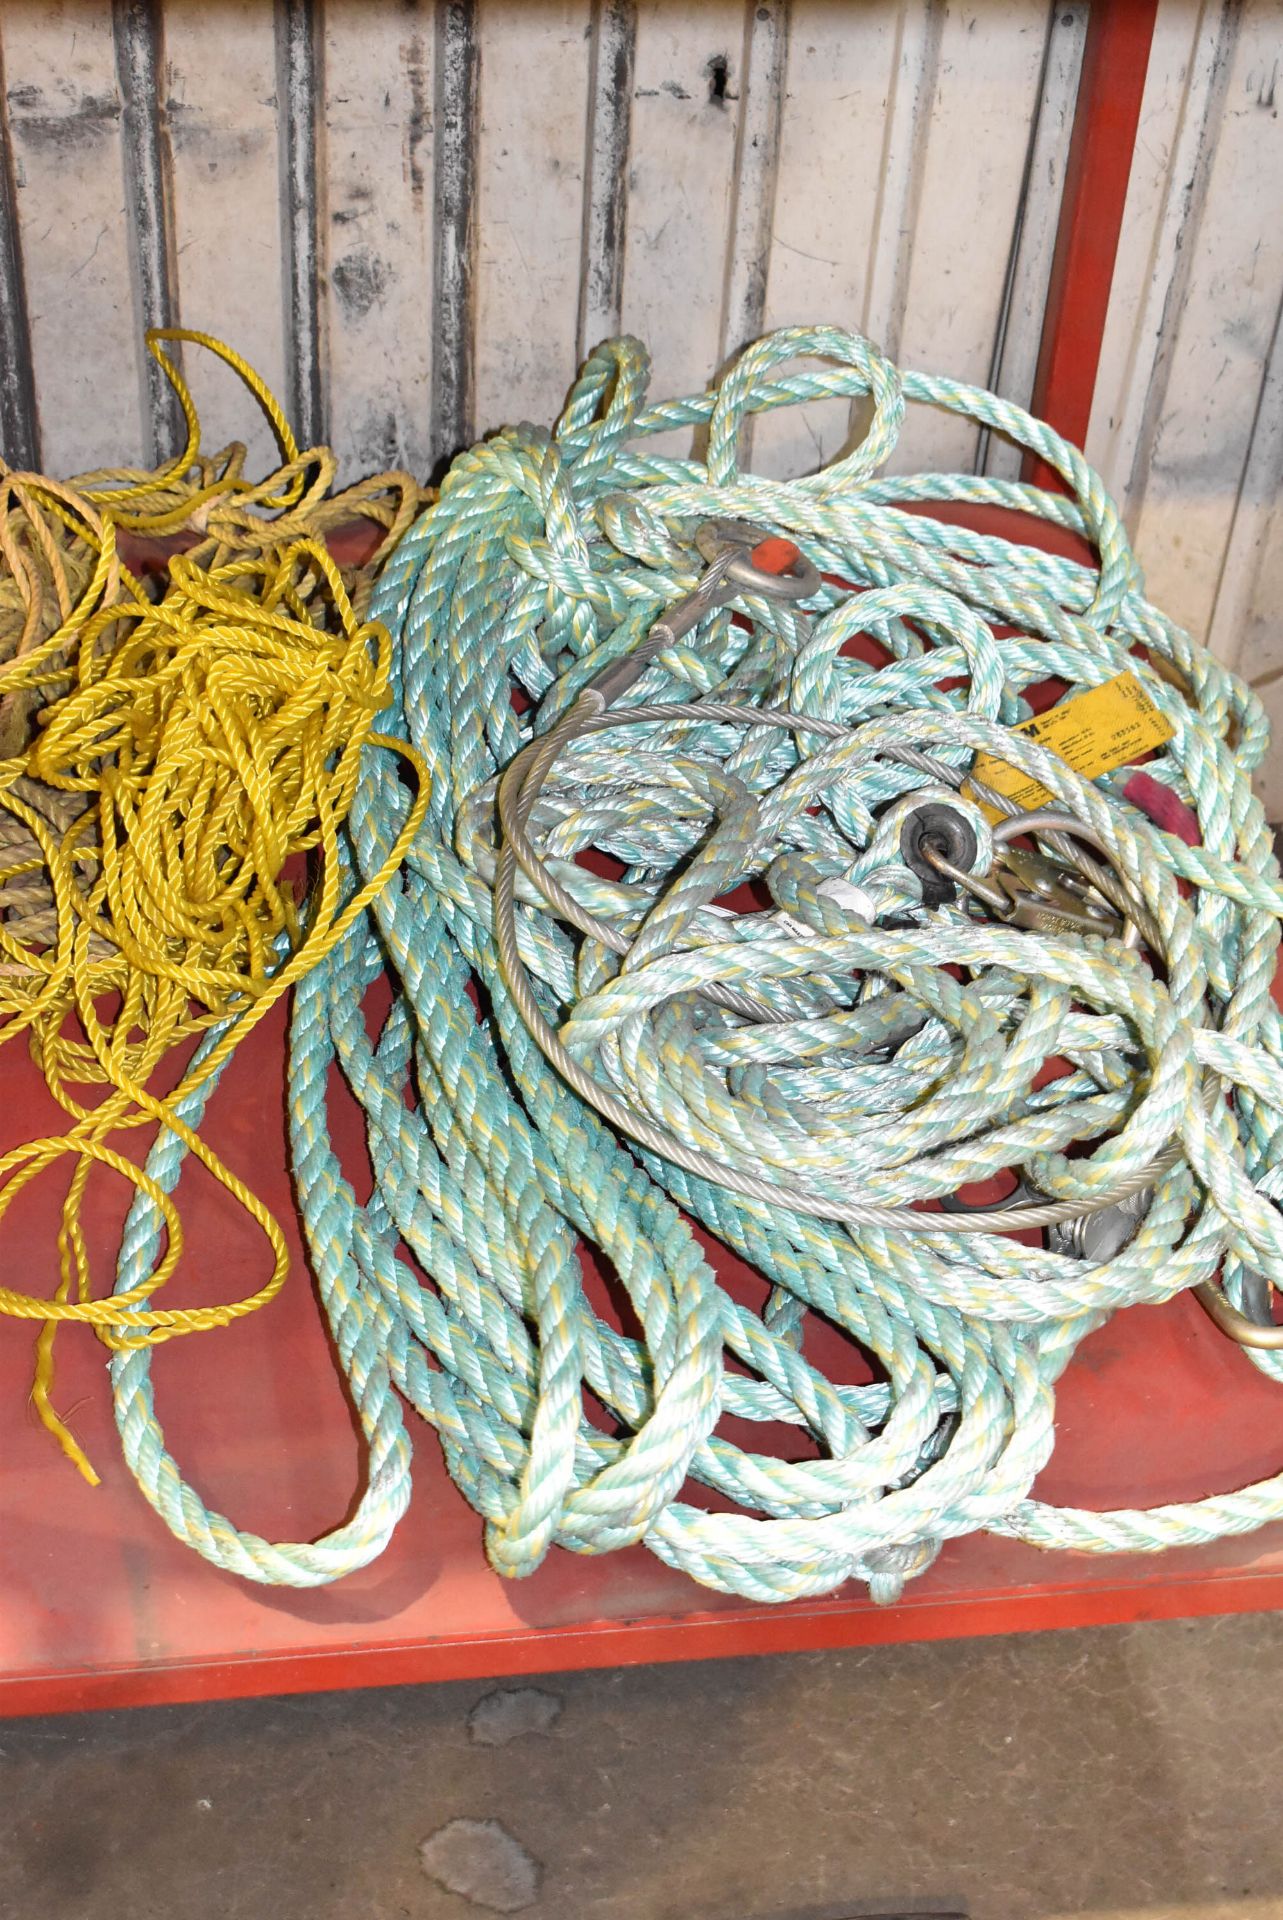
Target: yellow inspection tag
point(1094, 732)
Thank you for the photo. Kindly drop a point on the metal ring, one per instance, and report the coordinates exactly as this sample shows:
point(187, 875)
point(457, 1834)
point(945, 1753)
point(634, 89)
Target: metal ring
point(1266, 1337)
point(937, 828)
point(1054, 820)
point(712, 539)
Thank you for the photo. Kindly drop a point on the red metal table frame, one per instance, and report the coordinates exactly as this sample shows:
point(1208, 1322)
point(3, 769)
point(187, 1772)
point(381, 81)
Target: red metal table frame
point(103, 1608)
point(100, 1607)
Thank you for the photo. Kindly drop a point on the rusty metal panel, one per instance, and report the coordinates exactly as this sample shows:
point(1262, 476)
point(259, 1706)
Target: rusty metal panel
point(1187, 425)
point(757, 151)
point(891, 221)
point(966, 211)
point(530, 206)
point(376, 234)
point(148, 201)
point(299, 109)
point(64, 113)
point(935, 234)
point(19, 425)
point(414, 220)
point(1245, 626)
point(221, 110)
point(613, 44)
point(1158, 256)
point(455, 77)
point(1024, 300)
point(687, 97)
point(836, 196)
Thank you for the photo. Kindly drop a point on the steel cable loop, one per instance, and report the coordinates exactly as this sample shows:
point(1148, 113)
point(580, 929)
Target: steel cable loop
point(844, 1040)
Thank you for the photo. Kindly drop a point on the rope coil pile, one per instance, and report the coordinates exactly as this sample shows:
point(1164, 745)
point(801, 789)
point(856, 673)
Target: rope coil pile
point(57, 568)
point(189, 749)
point(837, 1062)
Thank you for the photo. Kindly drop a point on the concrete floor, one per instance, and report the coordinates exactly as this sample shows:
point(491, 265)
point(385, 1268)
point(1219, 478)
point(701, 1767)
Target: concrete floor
point(1114, 1772)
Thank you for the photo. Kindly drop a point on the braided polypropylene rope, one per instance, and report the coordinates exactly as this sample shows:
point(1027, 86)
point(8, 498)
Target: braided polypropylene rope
point(461, 1280)
point(57, 569)
point(163, 756)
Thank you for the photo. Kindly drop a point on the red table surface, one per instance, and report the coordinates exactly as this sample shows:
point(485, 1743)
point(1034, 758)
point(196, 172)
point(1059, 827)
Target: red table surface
point(100, 1606)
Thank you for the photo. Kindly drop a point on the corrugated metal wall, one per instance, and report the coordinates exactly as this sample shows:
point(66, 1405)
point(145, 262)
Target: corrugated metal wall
point(1187, 426)
point(414, 218)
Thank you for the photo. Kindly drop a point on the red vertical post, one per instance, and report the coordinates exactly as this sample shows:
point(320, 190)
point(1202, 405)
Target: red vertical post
point(1115, 61)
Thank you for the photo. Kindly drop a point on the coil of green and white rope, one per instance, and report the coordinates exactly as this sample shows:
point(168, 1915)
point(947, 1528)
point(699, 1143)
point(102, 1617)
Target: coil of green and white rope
point(897, 1052)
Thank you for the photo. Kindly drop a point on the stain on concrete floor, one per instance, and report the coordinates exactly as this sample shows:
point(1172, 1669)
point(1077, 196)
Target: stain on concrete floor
point(482, 1862)
point(1122, 1773)
point(509, 1712)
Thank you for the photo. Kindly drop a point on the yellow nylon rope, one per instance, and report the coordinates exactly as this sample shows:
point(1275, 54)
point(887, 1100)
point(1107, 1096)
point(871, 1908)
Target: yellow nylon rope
point(50, 532)
point(210, 496)
point(203, 741)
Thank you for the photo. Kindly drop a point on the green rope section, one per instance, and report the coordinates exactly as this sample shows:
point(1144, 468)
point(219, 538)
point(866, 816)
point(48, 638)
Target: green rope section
point(847, 1039)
